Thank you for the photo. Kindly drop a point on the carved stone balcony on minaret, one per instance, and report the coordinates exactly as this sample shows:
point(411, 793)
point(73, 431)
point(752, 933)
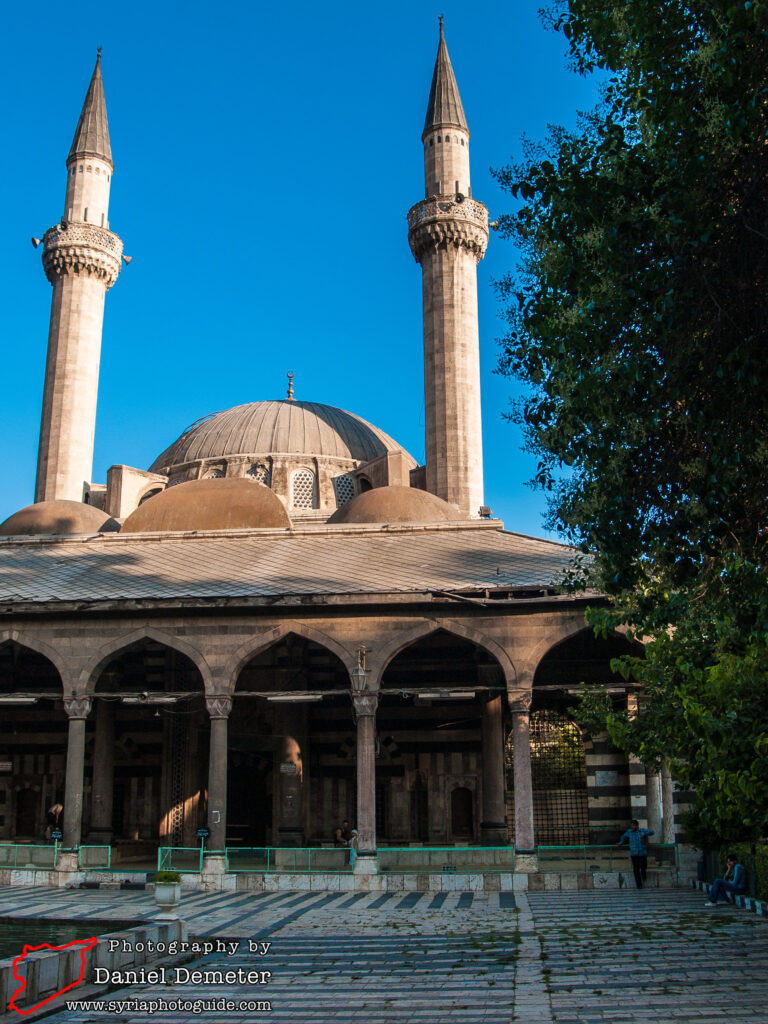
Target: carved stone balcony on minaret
point(439, 222)
point(82, 249)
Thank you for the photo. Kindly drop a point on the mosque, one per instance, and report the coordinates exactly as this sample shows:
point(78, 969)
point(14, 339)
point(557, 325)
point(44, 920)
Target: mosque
point(285, 621)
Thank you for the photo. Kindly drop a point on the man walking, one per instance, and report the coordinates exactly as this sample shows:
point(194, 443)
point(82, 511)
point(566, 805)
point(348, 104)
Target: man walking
point(638, 850)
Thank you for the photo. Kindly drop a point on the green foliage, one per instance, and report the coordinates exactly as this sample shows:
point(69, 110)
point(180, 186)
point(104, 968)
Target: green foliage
point(702, 697)
point(755, 860)
point(167, 876)
point(639, 318)
point(557, 756)
point(639, 314)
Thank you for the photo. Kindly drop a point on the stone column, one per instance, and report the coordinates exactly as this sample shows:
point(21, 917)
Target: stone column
point(653, 804)
point(103, 774)
point(521, 732)
point(667, 804)
point(638, 779)
point(493, 827)
point(364, 705)
point(77, 710)
point(218, 708)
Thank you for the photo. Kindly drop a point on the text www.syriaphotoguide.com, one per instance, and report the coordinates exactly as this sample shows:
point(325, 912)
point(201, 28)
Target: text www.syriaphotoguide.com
point(169, 1005)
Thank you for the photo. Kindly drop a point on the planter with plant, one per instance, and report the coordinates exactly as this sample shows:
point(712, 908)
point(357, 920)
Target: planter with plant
point(167, 894)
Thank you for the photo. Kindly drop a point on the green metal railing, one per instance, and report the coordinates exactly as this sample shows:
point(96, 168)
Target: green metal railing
point(29, 857)
point(290, 860)
point(602, 858)
point(466, 860)
point(188, 859)
point(94, 857)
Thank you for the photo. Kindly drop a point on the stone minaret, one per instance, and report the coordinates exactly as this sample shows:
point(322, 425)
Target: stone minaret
point(81, 258)
point(448, 233)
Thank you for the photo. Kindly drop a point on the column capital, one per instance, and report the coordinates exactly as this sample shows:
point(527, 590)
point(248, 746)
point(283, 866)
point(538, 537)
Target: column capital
point(520, 702)
point(218, 706)
point(365, 704)
point(77, 707)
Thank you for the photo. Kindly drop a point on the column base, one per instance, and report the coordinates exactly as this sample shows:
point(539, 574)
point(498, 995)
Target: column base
point(290, 837)
point(366, 864)
point(493, 833)
point(214, 869)
point(67, 861)
point(526, 862)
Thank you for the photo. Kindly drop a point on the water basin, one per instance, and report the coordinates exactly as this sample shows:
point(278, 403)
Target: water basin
point(16, 932)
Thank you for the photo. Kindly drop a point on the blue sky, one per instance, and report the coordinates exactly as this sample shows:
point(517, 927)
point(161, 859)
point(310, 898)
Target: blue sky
point(265, 160)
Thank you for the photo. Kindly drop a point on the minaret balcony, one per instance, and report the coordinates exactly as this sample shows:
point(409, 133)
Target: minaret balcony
point(441, 221)
point(440, 207)
point(75, 247)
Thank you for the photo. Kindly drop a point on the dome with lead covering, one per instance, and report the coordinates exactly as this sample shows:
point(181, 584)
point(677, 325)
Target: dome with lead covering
point(57, 517)
point(395, 504)
point(279, 428)
point(234, 504)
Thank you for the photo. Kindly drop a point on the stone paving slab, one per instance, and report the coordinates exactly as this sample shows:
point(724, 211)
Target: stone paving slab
point(650, 956)
point(599, 957)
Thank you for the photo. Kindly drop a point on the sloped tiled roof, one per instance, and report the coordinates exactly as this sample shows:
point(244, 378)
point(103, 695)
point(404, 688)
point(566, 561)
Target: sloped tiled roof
point(273, 563)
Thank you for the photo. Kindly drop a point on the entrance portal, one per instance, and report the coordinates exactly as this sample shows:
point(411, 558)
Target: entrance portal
point(462, 819)
point(27, 801)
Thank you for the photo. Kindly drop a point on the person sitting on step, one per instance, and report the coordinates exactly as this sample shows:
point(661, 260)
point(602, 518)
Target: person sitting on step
point(733, 882)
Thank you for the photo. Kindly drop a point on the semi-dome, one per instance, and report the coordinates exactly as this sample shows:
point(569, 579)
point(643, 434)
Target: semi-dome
point(57, 517)
point(228, 504)
point(279, 427)
point(396, 504)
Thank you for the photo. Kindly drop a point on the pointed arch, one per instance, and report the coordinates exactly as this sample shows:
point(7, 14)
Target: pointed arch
point(93, 669)
point(549, 645)
point(579, 656)
point(38, 646)
point(458, 629)
point(257, 645)
point(564, 630)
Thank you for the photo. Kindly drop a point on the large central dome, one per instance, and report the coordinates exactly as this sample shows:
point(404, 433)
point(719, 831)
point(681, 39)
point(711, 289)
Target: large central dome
point(279, 427)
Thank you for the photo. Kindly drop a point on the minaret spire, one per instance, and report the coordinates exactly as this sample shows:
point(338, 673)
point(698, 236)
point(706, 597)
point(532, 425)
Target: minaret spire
point(81, 259)
point(444, 108)
point(448, 233)
point(92, 132)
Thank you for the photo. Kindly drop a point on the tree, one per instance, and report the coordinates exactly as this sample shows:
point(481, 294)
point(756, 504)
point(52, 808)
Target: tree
point(639, 317)
point(703, 699)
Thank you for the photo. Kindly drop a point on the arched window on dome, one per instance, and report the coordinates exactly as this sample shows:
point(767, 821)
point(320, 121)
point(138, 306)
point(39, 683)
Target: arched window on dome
point(303, 489)
point(217, 473)
point(344, 488)
point(261, 473)
point(150, 494)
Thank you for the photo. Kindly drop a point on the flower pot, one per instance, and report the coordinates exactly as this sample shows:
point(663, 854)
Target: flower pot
point(167, 896)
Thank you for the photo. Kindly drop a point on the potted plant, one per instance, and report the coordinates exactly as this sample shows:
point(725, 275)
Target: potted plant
point(167, 894)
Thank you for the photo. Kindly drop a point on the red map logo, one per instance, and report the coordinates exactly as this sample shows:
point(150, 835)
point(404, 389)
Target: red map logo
point(82, 944)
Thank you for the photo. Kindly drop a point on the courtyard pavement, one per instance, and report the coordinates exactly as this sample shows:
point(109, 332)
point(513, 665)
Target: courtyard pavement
point(618, 956)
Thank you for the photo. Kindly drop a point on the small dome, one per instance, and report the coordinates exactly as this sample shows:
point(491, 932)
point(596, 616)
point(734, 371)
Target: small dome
point(279, 427)
point(228, 504)
point(57, 517)
point(396, 504)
